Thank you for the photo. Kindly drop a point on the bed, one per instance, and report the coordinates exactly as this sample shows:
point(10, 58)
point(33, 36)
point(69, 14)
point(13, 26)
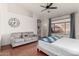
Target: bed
point(60, 47)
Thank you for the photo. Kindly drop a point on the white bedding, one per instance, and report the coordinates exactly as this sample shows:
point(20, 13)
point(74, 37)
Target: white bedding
point(62, 47)
point(69, 45)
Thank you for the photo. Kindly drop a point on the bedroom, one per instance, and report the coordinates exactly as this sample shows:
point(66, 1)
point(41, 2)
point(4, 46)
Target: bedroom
point(27, 22)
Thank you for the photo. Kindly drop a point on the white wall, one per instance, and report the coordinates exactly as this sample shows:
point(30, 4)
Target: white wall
point(27, 23)
point(77, 24)
point(3, 16)
point(61, 17)
point(17, 8)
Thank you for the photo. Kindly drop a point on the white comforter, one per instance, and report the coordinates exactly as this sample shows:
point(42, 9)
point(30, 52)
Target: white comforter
point(61, 47)
point(68, 44)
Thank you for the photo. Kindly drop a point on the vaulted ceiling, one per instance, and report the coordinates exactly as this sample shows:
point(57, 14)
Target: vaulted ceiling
point(63, 9)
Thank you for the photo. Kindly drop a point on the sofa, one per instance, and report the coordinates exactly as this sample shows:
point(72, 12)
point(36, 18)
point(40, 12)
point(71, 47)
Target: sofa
point(22, 38)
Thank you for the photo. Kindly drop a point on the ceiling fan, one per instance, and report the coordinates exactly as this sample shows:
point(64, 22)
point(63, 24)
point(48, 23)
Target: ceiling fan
point(48, 6)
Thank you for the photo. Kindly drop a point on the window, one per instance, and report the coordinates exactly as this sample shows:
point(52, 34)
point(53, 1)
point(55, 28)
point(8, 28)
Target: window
point(61, 27)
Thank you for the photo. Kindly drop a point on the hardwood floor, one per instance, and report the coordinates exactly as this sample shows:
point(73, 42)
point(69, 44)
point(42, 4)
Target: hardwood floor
point(25, 50)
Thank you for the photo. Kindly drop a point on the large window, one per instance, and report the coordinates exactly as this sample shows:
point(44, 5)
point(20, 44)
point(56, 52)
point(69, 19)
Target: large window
point(61, 27)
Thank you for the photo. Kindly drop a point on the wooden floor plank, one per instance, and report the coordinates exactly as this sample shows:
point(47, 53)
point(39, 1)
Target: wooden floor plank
point(25, 50)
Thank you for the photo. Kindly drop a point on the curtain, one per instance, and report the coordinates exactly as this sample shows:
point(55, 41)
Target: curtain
point(72, 25)
point(49, 32)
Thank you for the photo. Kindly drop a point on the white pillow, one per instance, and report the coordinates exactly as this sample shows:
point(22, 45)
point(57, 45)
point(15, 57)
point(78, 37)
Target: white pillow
point(51, 39)
point(45, 39)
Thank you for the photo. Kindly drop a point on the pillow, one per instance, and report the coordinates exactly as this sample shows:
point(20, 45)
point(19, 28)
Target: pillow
point(51, 39)
point(56, 37)
point(16, 35)
point(46, 40)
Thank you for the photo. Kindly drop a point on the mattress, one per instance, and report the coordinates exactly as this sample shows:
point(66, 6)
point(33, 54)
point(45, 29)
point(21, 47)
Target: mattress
point(61, 47)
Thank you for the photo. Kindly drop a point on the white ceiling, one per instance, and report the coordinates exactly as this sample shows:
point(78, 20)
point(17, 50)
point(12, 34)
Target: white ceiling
point(63, 9)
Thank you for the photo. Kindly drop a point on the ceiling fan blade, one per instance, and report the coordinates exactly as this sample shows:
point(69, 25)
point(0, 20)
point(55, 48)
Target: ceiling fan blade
point(53, 8)
point(43, 6)
point(43, 10)
point(50, 4)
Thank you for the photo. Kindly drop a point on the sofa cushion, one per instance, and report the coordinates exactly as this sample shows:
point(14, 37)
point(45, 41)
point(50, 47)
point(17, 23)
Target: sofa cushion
point(26, 39)
point(18, 40)
point(16, 35)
